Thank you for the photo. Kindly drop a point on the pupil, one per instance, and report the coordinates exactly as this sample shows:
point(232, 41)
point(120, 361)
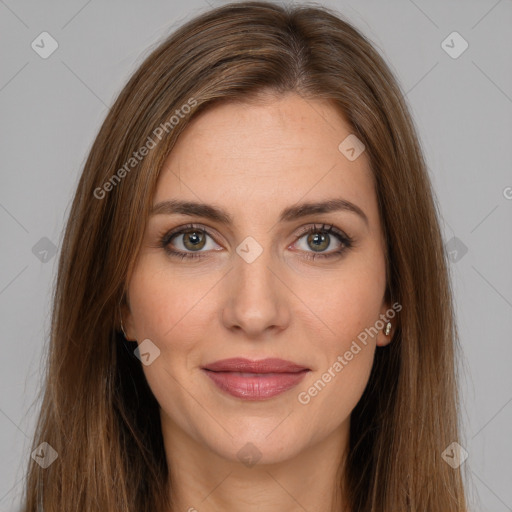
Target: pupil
point(192, 239)
point(318, 240)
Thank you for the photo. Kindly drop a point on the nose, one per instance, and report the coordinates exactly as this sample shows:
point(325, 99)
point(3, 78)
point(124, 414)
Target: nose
point(257, 299)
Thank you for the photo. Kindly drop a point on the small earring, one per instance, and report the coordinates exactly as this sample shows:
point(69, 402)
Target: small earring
point(388, 329)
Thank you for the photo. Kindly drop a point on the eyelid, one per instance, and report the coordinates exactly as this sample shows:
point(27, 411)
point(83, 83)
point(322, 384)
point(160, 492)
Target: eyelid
point(209, 231)
point(345, 240)
point(212, 231)
point(321, 226)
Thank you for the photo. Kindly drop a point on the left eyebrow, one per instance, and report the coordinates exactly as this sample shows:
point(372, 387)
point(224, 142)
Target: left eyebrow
point(291, 213)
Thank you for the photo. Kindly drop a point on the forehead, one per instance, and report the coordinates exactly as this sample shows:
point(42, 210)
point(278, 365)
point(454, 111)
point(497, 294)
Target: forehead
point(257, 158)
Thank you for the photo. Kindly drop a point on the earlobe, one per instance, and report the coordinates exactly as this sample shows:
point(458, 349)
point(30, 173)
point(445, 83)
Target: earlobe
point(388, 320)
point(122, 327)
point(386, 335)
point(125, 321)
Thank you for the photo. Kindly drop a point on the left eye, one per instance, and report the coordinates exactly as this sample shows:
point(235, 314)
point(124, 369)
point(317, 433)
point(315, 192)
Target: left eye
point(194, 239)
point(319, 239)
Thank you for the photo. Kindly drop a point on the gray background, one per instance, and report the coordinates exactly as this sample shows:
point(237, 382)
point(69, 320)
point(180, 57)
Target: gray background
point(51, 109)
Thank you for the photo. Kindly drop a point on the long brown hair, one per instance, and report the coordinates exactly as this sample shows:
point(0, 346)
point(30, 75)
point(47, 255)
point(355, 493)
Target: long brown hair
point(98, 412)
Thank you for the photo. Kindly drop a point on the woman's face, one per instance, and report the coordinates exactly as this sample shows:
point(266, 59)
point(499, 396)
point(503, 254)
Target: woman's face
point(250, 289)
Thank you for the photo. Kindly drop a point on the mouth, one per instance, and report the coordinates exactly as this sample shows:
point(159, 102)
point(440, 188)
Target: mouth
point(255, 380)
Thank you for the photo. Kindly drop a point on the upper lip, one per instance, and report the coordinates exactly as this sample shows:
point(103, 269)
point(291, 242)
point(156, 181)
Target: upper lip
point(240, 364)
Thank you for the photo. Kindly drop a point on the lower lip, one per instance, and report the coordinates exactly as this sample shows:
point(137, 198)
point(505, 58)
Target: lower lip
point(255, 386)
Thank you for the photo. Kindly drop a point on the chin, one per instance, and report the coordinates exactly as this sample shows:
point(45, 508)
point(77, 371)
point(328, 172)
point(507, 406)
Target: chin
point(251, 450)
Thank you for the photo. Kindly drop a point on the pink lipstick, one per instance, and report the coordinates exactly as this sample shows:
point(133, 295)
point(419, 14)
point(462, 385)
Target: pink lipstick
point(255, 380)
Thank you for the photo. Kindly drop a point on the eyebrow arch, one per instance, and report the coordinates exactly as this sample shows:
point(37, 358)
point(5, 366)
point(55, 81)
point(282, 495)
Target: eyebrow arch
point(289, 214)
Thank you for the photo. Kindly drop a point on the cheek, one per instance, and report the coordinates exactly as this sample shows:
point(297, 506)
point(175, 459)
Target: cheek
point(346, 307)
point(171, 310)
point(346, 353)
point(163, 302)
point(342, 304)
point(334, 393)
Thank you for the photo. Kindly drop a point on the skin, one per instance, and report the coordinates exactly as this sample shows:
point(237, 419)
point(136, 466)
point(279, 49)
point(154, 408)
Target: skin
point(254, 160)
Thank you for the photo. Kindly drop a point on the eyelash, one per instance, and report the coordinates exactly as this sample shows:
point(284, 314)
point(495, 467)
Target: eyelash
point(345, 240)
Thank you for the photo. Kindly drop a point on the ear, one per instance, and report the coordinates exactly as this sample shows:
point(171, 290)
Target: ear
point(387, 314)
point(127, 318)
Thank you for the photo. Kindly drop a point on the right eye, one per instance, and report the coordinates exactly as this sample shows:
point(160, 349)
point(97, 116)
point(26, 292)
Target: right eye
point(193, 239)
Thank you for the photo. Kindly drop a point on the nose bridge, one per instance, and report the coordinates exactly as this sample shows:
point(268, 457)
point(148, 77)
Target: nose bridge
point(252, 274)
point(256, 300)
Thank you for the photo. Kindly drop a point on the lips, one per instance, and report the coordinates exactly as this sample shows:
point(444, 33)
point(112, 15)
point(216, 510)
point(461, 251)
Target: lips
point(239, 364)
point(255, 380)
